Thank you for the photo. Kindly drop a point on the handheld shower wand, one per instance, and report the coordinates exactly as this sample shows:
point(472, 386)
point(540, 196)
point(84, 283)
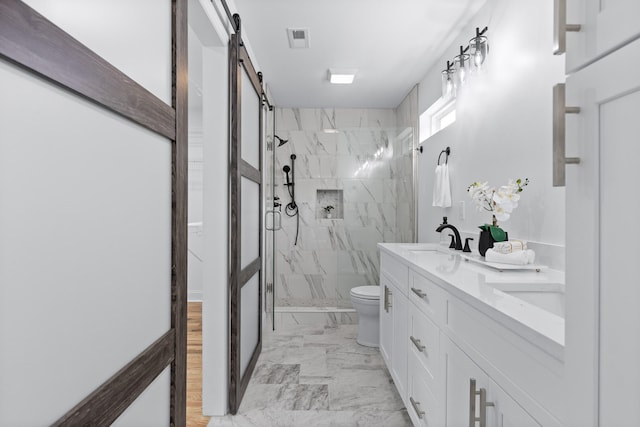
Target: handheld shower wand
point(292, 208)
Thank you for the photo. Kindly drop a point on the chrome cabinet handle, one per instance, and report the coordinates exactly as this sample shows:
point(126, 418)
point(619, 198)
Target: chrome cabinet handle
point(418, 344)
point(419, 292)
point(560, 27)
point(417, 408)
point(559, 112)
point(472, 404)
point(387, 294)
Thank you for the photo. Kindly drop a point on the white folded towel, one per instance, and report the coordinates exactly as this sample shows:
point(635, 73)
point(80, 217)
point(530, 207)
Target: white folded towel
point(441, 187)
point(518, 258)
point(509, 246)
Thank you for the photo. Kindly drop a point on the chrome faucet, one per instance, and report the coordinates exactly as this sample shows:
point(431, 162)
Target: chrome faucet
point(444, 226)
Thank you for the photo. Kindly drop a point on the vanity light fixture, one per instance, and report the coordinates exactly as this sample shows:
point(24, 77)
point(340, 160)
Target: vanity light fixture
point(448, 81)
point(461, 63)
point(479, 48)
point(341, 76)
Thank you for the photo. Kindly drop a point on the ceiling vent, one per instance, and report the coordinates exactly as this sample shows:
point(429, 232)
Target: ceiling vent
point(298, 38)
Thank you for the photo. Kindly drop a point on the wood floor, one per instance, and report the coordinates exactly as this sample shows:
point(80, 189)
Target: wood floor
point(194, 366)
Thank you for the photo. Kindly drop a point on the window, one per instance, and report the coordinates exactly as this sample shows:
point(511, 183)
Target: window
point(441, 114)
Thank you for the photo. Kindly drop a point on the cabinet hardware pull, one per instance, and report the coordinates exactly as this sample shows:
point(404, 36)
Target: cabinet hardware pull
point(418, 344)
point(560, 27)
point(416, 408)
point(419, 292)
point(559, 111)
point(387, 294)
point(472, 404)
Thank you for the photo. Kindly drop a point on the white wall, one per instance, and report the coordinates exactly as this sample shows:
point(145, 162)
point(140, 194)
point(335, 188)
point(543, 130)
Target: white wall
point(214, 38)
point(503, 126)
point(85, 220)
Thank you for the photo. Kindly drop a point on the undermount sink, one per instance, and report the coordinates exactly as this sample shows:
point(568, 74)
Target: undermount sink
point(419, 247)
point(548, 300)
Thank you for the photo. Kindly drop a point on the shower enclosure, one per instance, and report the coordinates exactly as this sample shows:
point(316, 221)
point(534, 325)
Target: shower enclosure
point(338, 181)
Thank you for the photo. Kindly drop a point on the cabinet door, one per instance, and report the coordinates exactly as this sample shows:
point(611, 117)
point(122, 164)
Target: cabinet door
point(386, 320)
point(400, 343)
point(606, 25)
point(459, 372)
point(601, 237)
point(505, 411)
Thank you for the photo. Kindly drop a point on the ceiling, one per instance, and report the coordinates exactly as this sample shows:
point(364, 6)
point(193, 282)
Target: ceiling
point(392, 44)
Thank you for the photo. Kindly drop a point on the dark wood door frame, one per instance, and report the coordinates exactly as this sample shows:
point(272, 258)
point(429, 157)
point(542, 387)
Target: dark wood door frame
point(40, 47)
point(239, 168)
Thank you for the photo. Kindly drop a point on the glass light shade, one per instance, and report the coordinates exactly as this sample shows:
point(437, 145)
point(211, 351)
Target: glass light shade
point(448, 83)
point(479, 49)
point(461, 64)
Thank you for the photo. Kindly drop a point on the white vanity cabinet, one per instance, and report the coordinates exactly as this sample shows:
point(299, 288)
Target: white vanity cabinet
point(453, 346)
point(473, 399)
point(604, 27)
point(393, 320)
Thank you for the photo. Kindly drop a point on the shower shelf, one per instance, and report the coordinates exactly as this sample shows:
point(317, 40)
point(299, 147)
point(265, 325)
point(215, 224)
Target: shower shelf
point(329, 198)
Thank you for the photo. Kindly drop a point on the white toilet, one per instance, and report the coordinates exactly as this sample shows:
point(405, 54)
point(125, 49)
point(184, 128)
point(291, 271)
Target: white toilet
point(366, 301)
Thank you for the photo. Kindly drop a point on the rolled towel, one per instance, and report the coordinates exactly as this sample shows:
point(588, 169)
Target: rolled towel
point(509, 246)
point(517, 258)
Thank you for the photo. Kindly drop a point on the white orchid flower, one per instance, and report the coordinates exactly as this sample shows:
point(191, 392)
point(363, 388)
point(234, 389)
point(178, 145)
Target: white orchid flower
point(501, 214)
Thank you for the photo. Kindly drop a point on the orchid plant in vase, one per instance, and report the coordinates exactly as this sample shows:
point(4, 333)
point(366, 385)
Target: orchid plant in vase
point(499, 201)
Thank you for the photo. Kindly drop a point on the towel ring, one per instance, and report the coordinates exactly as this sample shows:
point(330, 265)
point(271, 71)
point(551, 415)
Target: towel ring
point(446, 151)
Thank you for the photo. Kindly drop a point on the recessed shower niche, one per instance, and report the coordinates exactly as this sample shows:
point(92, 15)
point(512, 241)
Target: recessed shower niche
point(329, 204)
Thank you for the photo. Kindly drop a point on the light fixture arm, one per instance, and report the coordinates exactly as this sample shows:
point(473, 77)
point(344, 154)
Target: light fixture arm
point(480, 33)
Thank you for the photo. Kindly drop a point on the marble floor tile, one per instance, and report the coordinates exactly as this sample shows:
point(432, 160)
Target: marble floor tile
point(276, 373)
point(318, 376)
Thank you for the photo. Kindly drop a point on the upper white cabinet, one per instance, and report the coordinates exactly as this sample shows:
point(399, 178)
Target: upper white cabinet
point(602, 262)
point(605, 25)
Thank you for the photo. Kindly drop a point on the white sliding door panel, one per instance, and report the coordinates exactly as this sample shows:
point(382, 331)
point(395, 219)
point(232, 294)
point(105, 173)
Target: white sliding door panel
point(122, 32)
point(250, 323)
point(250, 148)
point(151, 408)
point(85, 246)
point(250, 222)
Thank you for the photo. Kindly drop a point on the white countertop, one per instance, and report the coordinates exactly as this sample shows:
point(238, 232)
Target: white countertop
point(480, 287)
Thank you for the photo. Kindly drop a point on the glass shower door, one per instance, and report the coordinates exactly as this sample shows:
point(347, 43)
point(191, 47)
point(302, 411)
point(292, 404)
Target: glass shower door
point(272, 217)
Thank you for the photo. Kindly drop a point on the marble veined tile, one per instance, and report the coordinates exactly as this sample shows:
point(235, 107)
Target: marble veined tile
point(380, 418)
point(296, 397)
point(352, 396)
point(363, 190)
point(351, 118)
point(281, 340)
point(276, 373)
point(354, 360)
point(287, 119)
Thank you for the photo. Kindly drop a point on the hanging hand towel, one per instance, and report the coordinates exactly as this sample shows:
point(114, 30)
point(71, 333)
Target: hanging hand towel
point(441, 187)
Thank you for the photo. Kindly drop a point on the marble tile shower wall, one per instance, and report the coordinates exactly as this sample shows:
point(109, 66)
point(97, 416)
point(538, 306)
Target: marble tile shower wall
point(358, 157)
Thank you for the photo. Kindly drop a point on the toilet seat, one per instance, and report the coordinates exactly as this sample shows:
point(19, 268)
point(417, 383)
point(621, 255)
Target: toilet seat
point(366, 292)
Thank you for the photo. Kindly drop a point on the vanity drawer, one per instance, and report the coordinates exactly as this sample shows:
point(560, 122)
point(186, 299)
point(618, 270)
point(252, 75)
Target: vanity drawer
point(424, 343)
point(422, 406)
point(428, 297)
point(395, 270)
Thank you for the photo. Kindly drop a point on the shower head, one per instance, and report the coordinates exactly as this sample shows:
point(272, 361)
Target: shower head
point(286, 168)
point(281, 141)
